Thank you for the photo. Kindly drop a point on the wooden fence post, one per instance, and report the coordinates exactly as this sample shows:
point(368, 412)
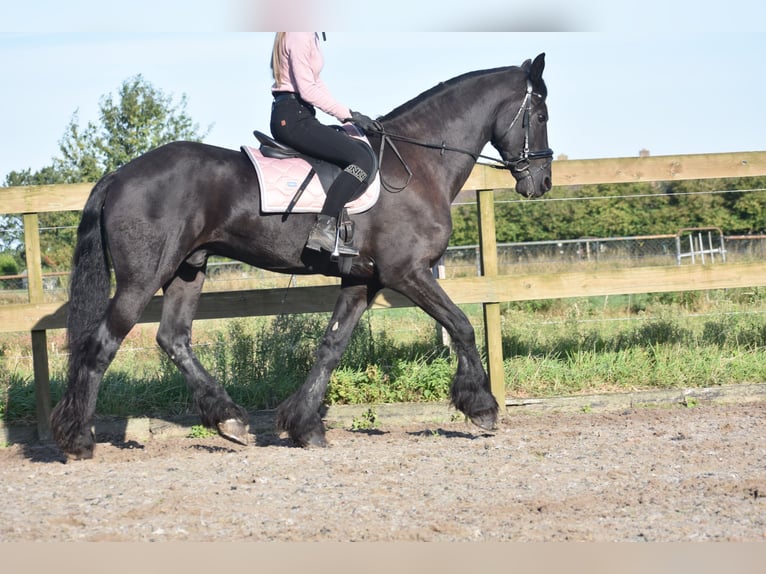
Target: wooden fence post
point(492, 328)
point(39, 337)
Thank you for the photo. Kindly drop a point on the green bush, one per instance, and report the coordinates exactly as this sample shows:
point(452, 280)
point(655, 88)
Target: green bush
point(8, 266)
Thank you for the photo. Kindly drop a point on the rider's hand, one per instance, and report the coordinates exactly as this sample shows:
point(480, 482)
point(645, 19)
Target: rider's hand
point(364, 122)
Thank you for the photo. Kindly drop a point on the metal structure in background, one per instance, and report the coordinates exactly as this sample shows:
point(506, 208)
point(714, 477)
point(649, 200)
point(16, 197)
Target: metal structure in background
point(698, 246)
point(698, 252)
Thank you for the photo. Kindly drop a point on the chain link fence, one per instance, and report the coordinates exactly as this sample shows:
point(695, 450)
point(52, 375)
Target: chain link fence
point(687, 247)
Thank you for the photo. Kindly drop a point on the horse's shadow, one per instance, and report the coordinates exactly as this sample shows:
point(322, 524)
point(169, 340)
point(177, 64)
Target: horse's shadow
point(451, 434)
point(43, 452)
point(48, 452)
point(267, 439)
point(115, 433)
point(369, 432)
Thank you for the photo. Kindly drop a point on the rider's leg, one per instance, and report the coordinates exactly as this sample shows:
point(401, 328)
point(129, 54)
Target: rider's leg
point(349, 184)
point(296, 125)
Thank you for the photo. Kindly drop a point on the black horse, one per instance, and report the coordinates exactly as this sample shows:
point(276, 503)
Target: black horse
point(159, 217)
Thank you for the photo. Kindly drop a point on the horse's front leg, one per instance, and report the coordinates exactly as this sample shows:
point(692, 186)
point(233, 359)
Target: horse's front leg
point(179, 305)
point(470, 391)
point(299, 414)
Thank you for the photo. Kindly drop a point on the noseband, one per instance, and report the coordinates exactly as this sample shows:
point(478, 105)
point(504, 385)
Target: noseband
point(519, 166)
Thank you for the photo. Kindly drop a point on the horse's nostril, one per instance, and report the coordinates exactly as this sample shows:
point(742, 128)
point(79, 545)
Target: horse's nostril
point(547, 184)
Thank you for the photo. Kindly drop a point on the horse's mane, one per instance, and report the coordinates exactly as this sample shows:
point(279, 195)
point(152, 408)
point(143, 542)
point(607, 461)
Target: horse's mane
point(441, 88)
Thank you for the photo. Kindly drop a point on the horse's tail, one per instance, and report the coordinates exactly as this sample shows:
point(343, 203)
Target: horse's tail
point(89, 282)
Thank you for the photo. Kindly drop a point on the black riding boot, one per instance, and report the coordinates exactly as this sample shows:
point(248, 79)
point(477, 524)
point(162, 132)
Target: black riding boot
point(323, 237)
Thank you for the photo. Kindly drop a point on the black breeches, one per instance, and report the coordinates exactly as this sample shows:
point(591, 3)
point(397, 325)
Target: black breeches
point(294, 123)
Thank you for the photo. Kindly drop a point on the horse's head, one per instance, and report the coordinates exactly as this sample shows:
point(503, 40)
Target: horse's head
point(522, 140)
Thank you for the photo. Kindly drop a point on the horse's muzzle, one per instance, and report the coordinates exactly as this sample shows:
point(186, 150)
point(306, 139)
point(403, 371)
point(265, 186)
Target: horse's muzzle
point(533, 181)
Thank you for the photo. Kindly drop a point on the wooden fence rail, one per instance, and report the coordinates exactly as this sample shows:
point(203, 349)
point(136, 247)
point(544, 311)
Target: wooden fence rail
point(489, 290)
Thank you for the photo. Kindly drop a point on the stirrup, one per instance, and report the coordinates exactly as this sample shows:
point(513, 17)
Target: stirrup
point(344, 235)
point(342, 249)
point(332, 237)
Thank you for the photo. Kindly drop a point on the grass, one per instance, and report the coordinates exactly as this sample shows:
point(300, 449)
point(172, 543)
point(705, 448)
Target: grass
point(663, 342)
point(199, 431)
point(561, 347)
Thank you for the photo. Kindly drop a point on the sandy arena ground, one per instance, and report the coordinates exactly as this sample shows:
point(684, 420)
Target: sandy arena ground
point(643, 474)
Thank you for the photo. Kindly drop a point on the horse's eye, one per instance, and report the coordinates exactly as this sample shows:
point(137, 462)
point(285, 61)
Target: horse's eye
point(542, 118)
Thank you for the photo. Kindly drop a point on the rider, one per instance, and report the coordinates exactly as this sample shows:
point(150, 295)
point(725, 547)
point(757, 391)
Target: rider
point(296, 64)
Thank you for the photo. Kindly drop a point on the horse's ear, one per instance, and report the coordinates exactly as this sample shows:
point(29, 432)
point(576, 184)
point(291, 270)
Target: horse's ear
point(535, 75)
point(535, 71)
point(526, 65)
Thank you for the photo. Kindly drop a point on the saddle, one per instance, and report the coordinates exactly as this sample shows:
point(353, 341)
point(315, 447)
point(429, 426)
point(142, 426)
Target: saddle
point(292, 182)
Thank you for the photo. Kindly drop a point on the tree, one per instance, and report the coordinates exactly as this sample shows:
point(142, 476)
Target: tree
point(139, 118)
point(626, 209)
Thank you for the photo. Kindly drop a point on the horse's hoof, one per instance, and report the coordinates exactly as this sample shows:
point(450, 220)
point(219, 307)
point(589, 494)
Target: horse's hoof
point(234, 430)
point(80, 448)
point(486, 420)
point(84, 453)
point(313, 439)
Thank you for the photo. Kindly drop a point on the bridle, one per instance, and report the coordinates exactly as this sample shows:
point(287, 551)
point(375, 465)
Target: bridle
point(519, 166)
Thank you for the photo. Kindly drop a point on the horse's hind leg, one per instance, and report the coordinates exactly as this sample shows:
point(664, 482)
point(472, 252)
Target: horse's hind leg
point(470, 390)
point(299, 414)
point(89, 358)
point(214, 405)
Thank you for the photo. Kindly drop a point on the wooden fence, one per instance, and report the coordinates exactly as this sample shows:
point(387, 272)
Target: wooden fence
point(490, 289)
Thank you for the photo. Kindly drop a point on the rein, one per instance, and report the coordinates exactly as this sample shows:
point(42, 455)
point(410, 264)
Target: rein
point(388, 139)
point(519, 165)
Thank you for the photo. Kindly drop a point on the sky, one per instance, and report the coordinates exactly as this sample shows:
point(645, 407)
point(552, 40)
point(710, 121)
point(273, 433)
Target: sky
point(669, 77)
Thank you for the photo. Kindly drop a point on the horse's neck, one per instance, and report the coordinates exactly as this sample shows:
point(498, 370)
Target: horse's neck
point(458, 132)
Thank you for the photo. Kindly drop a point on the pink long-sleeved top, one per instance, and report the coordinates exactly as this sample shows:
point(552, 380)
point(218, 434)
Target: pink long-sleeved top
point(302, 63)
